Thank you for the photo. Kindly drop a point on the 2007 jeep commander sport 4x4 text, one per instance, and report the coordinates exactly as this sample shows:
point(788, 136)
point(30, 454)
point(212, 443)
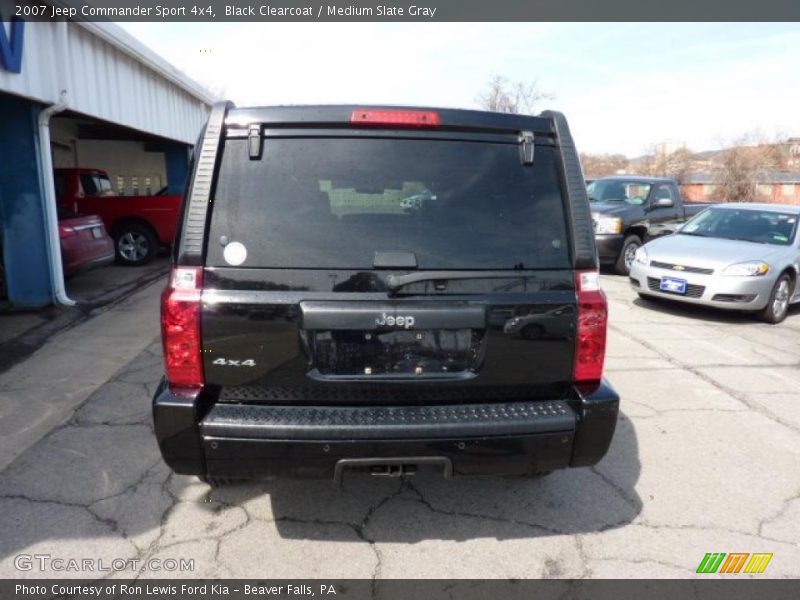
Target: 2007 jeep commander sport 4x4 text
point(383, 289)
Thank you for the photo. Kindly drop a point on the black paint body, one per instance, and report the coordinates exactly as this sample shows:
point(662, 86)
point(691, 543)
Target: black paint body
point(306, 368)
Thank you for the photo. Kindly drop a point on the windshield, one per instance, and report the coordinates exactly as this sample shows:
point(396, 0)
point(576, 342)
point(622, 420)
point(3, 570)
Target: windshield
point(750, 225)
point(331, 203)
point(618, 190)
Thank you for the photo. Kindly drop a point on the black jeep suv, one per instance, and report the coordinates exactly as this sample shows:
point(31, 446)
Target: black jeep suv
point(380, 289)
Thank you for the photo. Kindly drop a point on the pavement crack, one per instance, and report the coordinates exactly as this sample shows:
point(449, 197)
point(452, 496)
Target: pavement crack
point(664, 411)
point(112, 524)
point(25, 498)
point(154, 546)
point(622, 492)
point(697, 372)
point(132, 486)
point(774, 518)
point(688, 527)
point(640, 561)
point(360, 531)
point(220, 538)
point(586, 570)
point(457, 513)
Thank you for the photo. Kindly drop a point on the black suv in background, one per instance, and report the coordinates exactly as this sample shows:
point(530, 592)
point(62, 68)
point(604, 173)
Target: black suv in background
point(381, 289)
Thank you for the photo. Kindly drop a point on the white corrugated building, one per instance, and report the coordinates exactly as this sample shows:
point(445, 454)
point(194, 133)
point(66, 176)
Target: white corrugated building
point(82, 95)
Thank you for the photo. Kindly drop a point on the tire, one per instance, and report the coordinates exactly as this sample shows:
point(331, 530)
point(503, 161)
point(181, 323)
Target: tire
point(135, 244)
point(644, 297)
point(625, 259)
point(778, 305)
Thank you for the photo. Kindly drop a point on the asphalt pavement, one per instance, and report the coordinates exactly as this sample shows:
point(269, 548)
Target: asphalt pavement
point(706, 458)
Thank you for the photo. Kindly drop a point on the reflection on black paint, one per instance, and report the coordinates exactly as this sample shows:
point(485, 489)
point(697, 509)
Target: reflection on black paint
point(362, 281)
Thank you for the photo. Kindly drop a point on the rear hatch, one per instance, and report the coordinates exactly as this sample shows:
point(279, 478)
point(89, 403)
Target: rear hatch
point(384, 266)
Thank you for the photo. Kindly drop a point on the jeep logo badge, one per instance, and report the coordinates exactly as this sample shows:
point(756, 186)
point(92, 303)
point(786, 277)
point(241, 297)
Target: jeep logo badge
point(406, 322)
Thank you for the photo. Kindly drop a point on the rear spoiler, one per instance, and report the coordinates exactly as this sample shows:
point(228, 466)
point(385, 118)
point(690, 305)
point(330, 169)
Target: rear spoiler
point(584, 251)
point(341, 116)
point(200, 189)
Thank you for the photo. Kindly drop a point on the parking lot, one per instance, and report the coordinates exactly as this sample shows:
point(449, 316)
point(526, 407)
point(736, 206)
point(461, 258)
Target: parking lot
point(706, 458)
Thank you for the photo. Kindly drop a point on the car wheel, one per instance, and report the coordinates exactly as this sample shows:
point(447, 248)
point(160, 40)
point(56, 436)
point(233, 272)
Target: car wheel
point(778, 306)
point(625, 260)
point(135, 244)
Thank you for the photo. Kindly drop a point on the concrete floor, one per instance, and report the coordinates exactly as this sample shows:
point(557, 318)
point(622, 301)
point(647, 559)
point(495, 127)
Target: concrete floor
point(22, 332)
point(107, 283)
point(706, 458)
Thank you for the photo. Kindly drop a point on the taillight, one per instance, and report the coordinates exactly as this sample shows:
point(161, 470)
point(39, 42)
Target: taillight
point(180, 329)
point(65, 231)
point(590, 347)
point(394, 118)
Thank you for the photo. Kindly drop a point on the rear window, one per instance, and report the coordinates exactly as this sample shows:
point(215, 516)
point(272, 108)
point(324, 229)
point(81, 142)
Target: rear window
point(332, 203)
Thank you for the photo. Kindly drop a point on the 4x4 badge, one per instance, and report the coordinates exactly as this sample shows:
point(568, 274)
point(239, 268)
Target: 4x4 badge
point(227, 362)
point(406, 322)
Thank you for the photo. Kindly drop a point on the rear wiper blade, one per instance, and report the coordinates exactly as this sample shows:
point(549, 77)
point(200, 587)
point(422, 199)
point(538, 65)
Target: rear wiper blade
point(395, 282)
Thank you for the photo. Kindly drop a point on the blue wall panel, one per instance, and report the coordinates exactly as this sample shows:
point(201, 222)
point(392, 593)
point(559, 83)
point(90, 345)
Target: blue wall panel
point(177, 160)
point(22, 223)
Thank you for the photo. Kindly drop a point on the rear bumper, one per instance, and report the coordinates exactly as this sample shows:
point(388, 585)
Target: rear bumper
point(78, 258)
point(258, 441)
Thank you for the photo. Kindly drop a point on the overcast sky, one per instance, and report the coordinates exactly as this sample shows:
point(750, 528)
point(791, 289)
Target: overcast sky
point(623, 86)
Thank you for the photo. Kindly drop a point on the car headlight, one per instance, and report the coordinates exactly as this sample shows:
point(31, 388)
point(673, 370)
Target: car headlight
point(747, 269)
point(640, 256)
point(608, 225)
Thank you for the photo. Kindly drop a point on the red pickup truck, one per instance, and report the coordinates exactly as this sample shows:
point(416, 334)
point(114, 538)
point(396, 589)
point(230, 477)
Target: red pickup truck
point(138, 224)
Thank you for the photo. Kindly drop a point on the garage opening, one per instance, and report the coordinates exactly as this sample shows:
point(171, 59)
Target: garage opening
point(118, 194)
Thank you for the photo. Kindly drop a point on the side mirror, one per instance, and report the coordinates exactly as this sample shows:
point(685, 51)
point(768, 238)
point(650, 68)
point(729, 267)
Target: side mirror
point(664, 203)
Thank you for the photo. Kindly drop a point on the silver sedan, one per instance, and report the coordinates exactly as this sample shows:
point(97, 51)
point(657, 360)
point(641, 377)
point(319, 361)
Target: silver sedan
point(733, 256)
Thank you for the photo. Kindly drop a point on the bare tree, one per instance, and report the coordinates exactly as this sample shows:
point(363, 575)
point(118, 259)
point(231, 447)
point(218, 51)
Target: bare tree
point(518, 97)
point(602, 165)
point(743, 166)
point(676, 164)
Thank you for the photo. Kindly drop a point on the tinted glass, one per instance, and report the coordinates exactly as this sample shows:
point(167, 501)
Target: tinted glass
point(59, 183)
point(618, 190)
point(94, 184)
point(65, 213)
point(333, 203)
point(88, 184)
point(104, 185)
point(751, 225)
point(664, 192)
